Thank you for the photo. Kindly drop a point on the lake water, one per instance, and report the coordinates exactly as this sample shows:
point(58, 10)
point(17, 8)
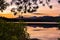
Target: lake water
point(43, 33)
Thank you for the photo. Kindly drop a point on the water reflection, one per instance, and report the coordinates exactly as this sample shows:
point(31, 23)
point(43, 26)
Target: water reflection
point(41, 33)
point(34, 39)
point(43, 25)
point(40, 39)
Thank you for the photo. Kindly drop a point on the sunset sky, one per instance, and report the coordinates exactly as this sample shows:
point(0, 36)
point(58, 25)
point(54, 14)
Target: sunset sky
point(42, 9)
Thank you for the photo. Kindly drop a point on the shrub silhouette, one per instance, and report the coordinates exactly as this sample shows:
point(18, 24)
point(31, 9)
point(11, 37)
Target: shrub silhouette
point(13, 31)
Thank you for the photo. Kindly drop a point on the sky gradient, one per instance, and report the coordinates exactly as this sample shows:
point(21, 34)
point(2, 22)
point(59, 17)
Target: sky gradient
point(42, 9)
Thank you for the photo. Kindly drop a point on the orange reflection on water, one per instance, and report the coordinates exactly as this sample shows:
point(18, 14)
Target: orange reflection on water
point(43, 33)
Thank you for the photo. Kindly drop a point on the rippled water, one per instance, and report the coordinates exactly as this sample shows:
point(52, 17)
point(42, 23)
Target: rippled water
point(44, 33)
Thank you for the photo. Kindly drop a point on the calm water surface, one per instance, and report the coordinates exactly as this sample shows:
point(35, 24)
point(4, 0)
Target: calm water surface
point(43, 33)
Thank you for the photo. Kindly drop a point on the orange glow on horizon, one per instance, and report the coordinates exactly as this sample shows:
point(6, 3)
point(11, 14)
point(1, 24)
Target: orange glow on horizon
point(9, 15)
